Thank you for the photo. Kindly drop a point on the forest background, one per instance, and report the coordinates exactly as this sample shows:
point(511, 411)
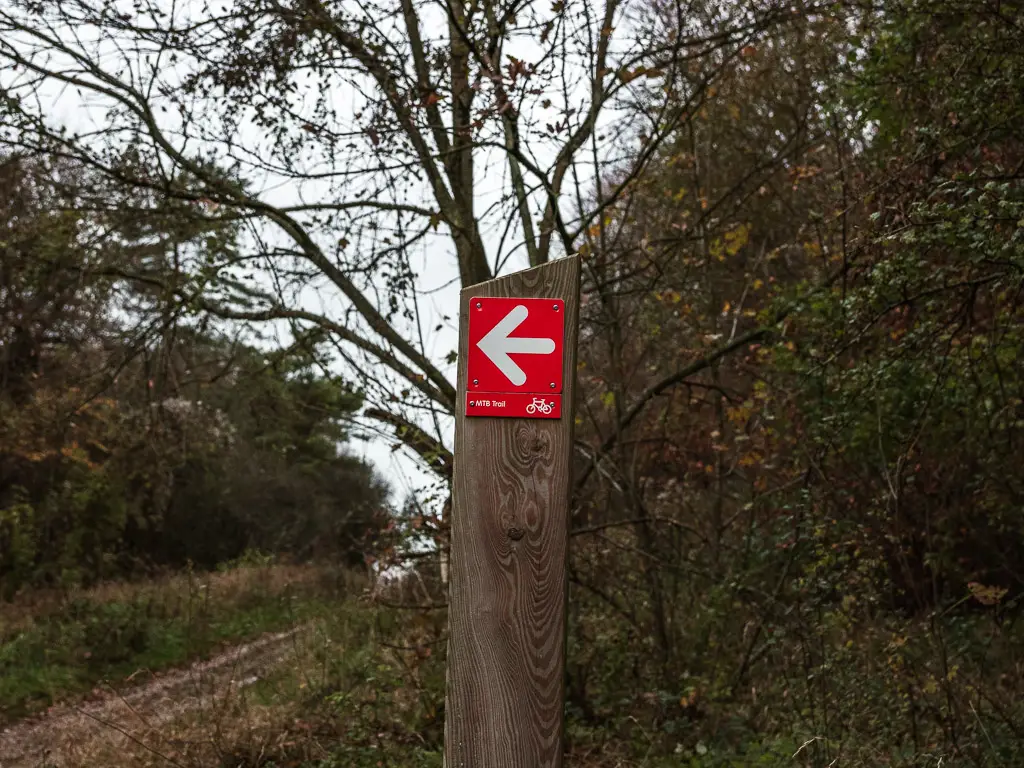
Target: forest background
point(796, 527)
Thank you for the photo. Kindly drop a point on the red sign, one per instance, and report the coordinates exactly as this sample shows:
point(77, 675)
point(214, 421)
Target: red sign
point(515, 348)
point(514, 404)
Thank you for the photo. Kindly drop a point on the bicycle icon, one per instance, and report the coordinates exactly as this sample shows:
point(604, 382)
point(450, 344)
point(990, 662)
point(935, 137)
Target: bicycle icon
point(541, 405)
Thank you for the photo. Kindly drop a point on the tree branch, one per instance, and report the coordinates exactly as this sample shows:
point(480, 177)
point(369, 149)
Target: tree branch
point(134, 101)
point(436, 456)
point(572, 146)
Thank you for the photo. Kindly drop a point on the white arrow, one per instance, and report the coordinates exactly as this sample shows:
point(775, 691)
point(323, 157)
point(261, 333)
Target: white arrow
point(498, 345)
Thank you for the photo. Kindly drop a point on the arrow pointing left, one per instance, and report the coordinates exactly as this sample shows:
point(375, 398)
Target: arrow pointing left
point(498, 345)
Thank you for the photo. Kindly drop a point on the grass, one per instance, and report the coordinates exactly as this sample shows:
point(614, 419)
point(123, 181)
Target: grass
point(368, 691)
point(54, 646)
point(357, 686)
point(360, 686)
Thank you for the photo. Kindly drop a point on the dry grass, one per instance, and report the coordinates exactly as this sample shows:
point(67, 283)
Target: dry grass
point(230, 586)
point(267, 704)
point(202, 716)
point(56, 646)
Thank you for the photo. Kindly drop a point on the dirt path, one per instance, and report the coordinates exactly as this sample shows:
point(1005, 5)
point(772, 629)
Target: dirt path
point(55, 738)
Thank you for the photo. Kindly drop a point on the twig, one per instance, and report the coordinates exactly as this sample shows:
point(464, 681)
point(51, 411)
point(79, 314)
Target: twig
point(805, 744)
point(130, 737)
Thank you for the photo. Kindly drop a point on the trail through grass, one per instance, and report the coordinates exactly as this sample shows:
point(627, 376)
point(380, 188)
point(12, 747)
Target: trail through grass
point(58, 646)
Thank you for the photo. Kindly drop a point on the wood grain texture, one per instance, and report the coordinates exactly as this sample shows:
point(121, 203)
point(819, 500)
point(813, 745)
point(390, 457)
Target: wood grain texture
point(509, 545)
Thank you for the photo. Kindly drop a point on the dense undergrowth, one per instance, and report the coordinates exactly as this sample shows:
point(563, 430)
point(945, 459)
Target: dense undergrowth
point(363, 684)
point(862, 692)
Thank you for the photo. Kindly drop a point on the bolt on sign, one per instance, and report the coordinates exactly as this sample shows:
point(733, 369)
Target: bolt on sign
point(515, 357)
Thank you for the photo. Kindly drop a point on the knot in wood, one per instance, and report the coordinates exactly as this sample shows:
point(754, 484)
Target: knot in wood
point(515, 533)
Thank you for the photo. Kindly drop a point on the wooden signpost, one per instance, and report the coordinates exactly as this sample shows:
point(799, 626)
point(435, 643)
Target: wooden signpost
point(510, 520)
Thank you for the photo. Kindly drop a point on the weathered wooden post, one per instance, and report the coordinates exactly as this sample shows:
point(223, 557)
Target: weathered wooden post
point(510, 521)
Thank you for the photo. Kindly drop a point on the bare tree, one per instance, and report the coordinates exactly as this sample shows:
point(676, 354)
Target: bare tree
point(370, 149)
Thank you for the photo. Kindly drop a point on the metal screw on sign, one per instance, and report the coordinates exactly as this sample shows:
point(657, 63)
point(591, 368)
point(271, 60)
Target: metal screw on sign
point(479, 305)
point(476, 382)
point(555, 307)
point(552, 385)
